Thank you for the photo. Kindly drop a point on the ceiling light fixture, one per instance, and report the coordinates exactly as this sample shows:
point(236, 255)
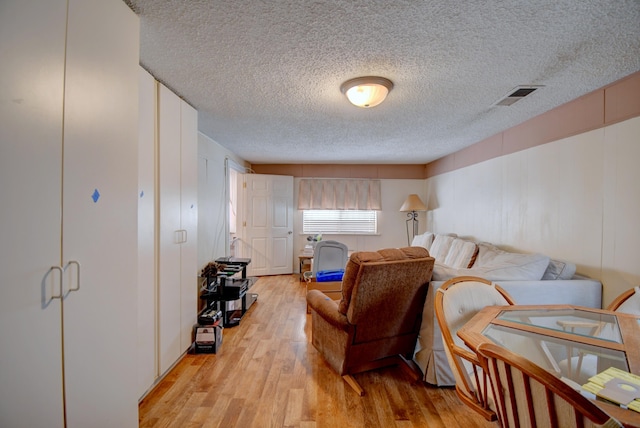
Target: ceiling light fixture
point(366, 91)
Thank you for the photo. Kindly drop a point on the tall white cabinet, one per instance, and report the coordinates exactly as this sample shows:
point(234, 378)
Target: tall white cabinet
point(189, 286)
point(68, 174)
point(147, 290)
point(169, 289)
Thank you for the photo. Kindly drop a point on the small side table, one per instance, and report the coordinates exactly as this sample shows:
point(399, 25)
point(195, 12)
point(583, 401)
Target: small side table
point(305, 264)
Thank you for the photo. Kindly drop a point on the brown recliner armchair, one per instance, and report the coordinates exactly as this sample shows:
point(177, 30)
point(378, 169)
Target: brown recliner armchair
point(376, 323)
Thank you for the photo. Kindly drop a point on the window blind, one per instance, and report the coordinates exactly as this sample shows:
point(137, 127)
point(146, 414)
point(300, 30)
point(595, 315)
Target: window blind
point(353, 222)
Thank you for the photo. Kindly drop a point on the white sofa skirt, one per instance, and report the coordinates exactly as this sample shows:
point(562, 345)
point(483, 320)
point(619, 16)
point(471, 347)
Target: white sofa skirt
point(430, 354)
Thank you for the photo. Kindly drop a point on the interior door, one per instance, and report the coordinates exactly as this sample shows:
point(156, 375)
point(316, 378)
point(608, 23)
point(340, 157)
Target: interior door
point(32, 70)
point(268, 224)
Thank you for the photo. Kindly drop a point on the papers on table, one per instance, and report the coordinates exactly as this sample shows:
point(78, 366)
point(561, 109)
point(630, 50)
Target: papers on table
point(616, 386)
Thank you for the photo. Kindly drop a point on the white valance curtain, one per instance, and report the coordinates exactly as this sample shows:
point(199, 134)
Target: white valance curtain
point(339, 194)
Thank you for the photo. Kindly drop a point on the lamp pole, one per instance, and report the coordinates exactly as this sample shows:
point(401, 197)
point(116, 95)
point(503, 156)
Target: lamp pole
point(412, 216)
point(411, 206)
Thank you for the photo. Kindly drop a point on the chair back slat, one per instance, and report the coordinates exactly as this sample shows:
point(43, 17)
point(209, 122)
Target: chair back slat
point(528, 396)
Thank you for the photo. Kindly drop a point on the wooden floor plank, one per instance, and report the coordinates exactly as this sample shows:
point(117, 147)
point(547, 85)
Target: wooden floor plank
point(268, 374)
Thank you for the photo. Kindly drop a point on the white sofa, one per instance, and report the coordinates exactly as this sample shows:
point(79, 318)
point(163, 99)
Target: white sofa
point(528, 278)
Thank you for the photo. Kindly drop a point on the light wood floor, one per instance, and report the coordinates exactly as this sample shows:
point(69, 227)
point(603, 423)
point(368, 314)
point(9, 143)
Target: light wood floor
point(267, 374)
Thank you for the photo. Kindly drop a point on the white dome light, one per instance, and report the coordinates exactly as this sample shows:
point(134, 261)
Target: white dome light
point(366, 91)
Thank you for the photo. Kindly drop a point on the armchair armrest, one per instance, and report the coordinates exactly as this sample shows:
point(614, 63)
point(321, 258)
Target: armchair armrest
point(327, 309)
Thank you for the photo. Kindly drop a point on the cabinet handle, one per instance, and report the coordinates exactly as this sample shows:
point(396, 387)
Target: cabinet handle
point(181, 236)
point(74, 262)
point(61, 272)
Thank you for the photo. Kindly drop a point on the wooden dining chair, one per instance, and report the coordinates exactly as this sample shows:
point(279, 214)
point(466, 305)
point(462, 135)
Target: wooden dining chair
point(627, 302)
point(456, 302)
point(527, 395)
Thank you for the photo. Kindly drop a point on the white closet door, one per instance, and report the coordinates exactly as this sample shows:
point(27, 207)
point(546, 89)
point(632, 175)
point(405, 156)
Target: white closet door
point(170, 235)
point(100, 213)
point(32, 70)
point(147, 292)
point(189, 223)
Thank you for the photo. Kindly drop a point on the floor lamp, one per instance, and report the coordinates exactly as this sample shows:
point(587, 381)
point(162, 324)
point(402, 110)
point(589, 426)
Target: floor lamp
point(411, 206)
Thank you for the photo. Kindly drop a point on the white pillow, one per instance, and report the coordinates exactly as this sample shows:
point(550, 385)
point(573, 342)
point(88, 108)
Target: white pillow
point(440, 246)
point(461, 253)
point(558, 269)
point(486, 253)
point(507, 267)
point(515, 266)
point(423, 240)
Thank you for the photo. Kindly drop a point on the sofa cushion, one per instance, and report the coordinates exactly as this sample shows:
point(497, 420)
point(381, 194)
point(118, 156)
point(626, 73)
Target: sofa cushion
point(462, 254)
point(558, 269)
point(440, 247)
point(503, 267)
point(423, 240)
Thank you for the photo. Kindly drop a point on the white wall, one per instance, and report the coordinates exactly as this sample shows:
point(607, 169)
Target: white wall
point(212, 206)
point(621, 201)
point(575, 199)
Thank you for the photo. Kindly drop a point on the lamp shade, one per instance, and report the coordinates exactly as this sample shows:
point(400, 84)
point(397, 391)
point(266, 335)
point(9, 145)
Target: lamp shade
point(366, 91)
point(413, 203)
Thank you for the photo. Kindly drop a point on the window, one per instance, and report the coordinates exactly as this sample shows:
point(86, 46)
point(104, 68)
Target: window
point(340, 222)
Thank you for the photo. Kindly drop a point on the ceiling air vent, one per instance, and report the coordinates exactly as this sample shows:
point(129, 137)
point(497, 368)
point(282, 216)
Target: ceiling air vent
point(516, 94)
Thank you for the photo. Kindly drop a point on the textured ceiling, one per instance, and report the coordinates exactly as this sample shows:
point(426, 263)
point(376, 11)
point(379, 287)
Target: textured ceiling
point(265, 75)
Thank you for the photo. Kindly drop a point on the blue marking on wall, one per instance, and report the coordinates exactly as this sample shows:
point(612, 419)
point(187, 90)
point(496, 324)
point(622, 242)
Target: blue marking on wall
point(95, 196)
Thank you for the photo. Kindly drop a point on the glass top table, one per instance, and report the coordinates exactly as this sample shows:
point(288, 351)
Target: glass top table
point(572, 342)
